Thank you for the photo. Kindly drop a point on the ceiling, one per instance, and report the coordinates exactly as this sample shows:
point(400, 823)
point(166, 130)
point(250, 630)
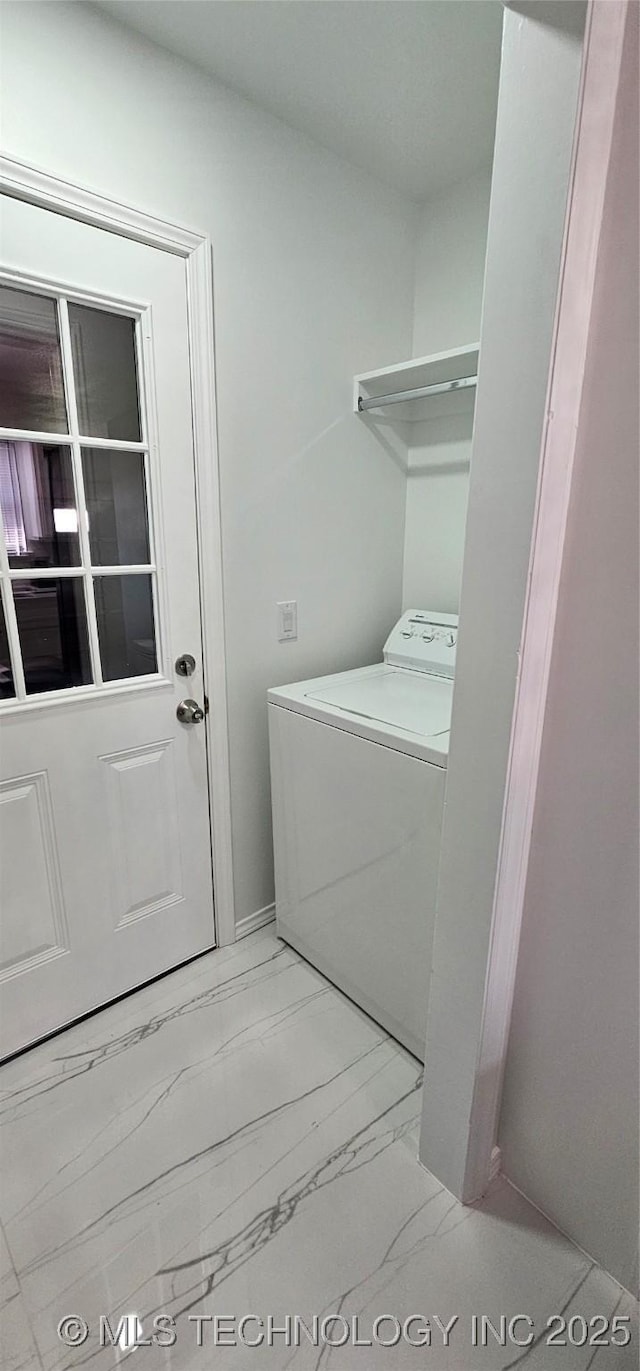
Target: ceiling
point(405, 89)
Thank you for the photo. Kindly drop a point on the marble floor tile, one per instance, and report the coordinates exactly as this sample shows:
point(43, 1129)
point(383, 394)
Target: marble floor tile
point(17, 1347)
point(239, 1139)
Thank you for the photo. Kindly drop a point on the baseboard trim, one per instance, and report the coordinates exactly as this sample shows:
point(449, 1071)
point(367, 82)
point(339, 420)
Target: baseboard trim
point(495, 1166)
point(258, 919)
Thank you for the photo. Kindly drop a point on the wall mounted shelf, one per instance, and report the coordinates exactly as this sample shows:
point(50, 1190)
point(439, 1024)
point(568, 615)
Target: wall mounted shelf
point(406, 390)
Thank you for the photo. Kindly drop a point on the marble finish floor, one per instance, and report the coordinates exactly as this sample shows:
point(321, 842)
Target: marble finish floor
point(239, 1139)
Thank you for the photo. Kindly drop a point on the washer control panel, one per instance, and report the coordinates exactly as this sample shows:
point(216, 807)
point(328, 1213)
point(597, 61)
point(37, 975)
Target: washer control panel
point(424, 640)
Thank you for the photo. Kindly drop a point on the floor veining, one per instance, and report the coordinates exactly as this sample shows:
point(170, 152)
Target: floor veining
point(239, 1141)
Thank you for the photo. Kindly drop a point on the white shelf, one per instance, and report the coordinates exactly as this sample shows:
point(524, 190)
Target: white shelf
point(441, 369)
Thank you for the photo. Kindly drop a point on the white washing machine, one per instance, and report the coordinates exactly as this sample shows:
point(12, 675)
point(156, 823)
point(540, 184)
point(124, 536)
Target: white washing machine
point(358, 767)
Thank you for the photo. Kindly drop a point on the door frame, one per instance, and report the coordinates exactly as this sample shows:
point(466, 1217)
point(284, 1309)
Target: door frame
point(597, 103)
point(22, 181)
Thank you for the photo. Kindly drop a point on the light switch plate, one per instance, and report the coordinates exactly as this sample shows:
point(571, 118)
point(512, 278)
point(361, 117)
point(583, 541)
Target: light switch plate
point(287, 620)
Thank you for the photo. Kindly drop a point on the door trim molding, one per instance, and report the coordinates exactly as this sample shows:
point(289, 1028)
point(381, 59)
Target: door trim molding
point(22, 181)
point(602, 59)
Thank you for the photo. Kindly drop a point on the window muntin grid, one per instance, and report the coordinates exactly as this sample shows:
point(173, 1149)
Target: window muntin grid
point(141, 661)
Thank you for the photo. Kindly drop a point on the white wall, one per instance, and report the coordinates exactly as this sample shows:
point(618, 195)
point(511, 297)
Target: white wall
point(312, 505)
point(538, 91)
point(447, 306)
point(569, 1125)
point(450, 256)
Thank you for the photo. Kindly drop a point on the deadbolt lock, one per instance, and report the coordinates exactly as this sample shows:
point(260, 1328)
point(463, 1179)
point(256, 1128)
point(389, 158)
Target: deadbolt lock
point(186, 664)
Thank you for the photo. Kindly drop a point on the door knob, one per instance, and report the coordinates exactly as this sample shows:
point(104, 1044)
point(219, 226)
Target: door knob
point(189, 712)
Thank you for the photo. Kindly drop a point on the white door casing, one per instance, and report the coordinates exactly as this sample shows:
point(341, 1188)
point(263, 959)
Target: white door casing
point(107, 845)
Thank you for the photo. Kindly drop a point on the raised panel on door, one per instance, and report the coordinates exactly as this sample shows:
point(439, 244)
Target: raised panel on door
point(34, 926)
point(143, 831)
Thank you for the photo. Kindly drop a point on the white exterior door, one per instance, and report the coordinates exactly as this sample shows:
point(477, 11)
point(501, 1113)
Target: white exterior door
point(105, 851)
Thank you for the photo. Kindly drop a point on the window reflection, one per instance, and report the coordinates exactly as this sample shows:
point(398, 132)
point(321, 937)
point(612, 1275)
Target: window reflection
point(114, 484)
point(39, 511)
point(124, 608)
point(31, 386)
point(52, 626)
point(7, 689)
point(104, 366)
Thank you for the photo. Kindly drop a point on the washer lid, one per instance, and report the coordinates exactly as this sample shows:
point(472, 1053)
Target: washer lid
point(403, 699)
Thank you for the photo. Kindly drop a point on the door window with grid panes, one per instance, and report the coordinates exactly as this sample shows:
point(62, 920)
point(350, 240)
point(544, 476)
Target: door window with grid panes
point(79, 604)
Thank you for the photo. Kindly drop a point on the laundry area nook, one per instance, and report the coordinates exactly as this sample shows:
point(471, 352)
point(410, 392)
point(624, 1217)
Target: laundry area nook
point(319, 685)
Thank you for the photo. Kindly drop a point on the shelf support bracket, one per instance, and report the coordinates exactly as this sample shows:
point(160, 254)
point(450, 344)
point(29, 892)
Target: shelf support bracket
point(441, 388)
